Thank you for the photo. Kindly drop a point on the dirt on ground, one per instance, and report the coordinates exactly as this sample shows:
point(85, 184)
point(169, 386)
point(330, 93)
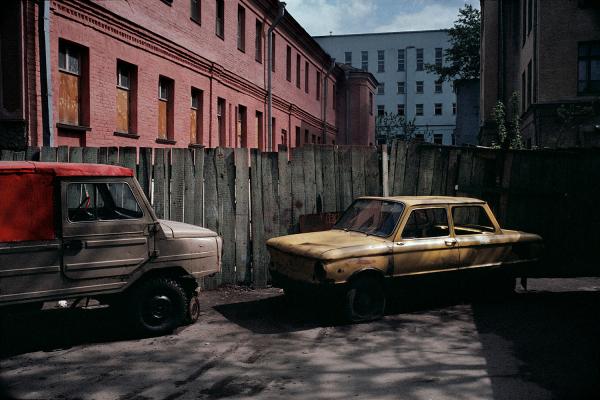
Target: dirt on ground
point(539, 344)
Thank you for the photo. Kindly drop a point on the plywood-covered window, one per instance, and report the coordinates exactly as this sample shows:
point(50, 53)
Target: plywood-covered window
point(70, 84)
point(196, 116)
point(126, 97)
point(165, 108)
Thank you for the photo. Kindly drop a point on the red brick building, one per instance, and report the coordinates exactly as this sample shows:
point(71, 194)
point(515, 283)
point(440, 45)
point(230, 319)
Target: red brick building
point(171, 73)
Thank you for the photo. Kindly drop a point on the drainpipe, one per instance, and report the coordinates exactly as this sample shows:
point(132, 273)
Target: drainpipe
point(46, 75)
point(324, 106)
point(280, 14)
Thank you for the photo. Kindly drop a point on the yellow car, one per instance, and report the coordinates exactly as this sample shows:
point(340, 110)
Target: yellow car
point(380, 238)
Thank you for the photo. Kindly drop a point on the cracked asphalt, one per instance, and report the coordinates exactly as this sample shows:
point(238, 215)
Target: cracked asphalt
point(539, 344)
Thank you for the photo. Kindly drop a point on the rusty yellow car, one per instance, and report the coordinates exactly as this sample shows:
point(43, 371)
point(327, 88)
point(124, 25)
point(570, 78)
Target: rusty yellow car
point(378, 239)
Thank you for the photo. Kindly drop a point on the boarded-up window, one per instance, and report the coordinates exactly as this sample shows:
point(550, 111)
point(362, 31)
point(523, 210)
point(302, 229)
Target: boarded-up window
point(125, 97)
point(196, 117)
point(165, 109)
point(69, 101)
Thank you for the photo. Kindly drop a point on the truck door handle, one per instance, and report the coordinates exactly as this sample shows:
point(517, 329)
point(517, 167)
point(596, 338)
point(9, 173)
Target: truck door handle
point(73, 245)
point(450, 242)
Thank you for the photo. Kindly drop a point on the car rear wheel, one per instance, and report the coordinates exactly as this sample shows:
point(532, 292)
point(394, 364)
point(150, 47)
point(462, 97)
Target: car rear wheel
point(157, 306)
point(365, 300)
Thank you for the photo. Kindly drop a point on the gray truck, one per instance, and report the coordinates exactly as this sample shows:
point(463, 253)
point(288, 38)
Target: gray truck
point(71, 231)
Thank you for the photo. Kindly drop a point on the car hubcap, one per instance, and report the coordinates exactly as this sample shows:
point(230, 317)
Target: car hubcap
point(157, 309)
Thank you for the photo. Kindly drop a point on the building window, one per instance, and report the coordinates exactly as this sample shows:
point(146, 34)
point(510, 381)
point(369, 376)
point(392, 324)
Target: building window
point(419, 86)
point(348, 58)
point(318, 94)
point(298, 71)
point(401, 88)
point(438, 108)
point(288, 63)
point(72, 99)
point(419, 110)
point(314, 139)
point(165, 108)
point(453, 108)
point(380, 110)
point(588, 81)
point(241, 28)
point(195, 10)
point(258, 41)
point(400, 59)
point(439, 58)
point(438, 86)
point(259, 130)
point(273, 57)
point(196, 116)
point(529, 83)
point(371, 103)
point(381, 88)
point(419, 59)
point(401, 110)
point(438, 138)
point(284, 140)
point(221, 121)
point(380, 60)
point(242, 127)
point(298, 138)
point(419, 137)
point(306, 66)
point(364, 56)
point(126, 97)
point(306, 136)
point(220, 19)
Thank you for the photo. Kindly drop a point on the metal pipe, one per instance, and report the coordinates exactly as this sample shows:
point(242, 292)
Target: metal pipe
point(280, 14)
point(47, 136)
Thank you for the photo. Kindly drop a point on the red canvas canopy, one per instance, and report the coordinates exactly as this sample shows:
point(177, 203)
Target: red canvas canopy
point(27, 196)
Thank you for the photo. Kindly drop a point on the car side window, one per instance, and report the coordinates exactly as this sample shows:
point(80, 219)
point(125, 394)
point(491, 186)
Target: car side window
point(426, 222)
point(471, 220)
point(101, 201)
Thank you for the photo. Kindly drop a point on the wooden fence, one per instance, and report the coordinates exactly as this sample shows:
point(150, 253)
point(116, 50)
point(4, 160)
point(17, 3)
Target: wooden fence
point(248, 196)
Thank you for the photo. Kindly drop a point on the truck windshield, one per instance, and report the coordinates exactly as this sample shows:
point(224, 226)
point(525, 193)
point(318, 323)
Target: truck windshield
point(373, 217)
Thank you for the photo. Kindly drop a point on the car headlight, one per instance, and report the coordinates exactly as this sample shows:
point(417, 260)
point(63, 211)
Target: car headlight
point(319, 272)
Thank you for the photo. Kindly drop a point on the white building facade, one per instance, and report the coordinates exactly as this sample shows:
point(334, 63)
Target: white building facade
point(397, 60)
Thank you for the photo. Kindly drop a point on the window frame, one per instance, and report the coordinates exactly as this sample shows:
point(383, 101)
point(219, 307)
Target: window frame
point(419, 59)
point(588, 58)
point(258, 42)
point(409, 210)
point(220, 18)
point(401, 60)
point(436, 107)
point(488, 213)
point(195, 6)
point(380, 60)
point(241, 28)
point(419, 87)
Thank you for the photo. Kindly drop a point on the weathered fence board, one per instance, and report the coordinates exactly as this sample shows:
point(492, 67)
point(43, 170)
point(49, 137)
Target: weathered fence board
point(242, 219)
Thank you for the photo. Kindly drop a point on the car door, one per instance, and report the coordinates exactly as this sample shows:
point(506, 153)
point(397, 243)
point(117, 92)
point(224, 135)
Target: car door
point(106, 230)
point(424, 243)
point(479, 238)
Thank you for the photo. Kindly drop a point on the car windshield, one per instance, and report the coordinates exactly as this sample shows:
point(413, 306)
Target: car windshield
point(373, 217)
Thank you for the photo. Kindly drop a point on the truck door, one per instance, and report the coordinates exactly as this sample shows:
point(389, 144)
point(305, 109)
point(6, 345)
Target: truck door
point(106, 230)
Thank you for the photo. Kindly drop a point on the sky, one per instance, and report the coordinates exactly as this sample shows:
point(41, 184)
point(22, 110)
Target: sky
point(322, 17)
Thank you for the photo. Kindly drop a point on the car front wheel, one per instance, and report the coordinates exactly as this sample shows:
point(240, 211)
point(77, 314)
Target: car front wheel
point(158, 306)
point(364, 300)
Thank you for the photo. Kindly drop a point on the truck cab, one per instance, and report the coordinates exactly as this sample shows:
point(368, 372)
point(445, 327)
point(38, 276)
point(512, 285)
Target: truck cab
point(85, 230)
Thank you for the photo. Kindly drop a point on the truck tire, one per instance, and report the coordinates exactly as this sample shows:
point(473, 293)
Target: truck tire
point(364, 300)
point(157, 306)
point(193, 309)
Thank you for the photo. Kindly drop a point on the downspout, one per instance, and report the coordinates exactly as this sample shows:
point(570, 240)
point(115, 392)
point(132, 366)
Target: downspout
point(280, 14)
point(46, 76)
point(324, 106)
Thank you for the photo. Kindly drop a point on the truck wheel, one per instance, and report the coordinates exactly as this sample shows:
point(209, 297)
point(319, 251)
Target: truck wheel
point(158, 306)
point(365, 300)
point(193, 309)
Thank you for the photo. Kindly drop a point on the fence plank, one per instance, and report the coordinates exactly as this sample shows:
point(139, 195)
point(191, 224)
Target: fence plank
point(225, 170)
point(357, 171)
point(298, 195)
point(319, 190)
point(199, 156)
point(128, 158)
point(329, 178)
point(400, 168)
point(160, 190)
point(175, 184)
point(411, 169)
point(89, 155)
point(112, 156)
point(32, 153)
point(426, 166)
point(345, 172)
point(144, 171)
point(373, 182)
point(48, 154)
point(242, 220)
point(259, 267)
point(310, 188)
point(6, 155)
point(211, 213)
point(19, 156)
point(284, 191)
point(62, 154)
point(75, 154)
point(391, 166)
point(189, 204)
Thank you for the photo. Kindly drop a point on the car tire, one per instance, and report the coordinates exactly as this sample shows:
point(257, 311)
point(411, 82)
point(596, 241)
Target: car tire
point(364, 300)
point(193, 309)
point(157, 306)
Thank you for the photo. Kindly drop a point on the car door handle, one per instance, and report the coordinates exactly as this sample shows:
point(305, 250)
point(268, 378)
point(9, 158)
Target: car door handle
point(73, 245)
point(450, 242)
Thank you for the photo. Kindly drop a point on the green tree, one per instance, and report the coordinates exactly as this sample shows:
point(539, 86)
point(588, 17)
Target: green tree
point(508, 130)
point(394, 126)
point(462, 57)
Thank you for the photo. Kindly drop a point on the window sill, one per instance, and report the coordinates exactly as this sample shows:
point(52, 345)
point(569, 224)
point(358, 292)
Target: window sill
point(165, 141)
point(196, 146)
point(242, 50)
point(126, 135)
point(74, 128)
point(196, 21)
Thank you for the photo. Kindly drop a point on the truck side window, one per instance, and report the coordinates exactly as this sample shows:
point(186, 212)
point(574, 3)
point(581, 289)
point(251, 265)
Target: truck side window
point(427, 222)
point(471, 220)
point(101, 201)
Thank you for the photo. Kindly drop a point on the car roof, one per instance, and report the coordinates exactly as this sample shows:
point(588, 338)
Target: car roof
point(428, 200)
point(62, 169)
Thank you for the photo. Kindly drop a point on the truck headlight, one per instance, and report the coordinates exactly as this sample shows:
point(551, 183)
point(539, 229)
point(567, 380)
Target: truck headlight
point(319, 272)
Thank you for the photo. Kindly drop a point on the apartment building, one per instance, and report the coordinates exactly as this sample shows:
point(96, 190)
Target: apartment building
point(397, 60)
